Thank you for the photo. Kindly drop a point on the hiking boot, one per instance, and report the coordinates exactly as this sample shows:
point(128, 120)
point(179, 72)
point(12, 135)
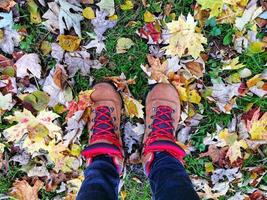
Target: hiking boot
point(104, 125)
point(162, 118)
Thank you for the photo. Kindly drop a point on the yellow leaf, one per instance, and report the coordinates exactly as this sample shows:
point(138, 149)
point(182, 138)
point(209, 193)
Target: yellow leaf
point(183, 39)
point(230, 138)
point(45, 47)
point(190, 96)
point(133, 107)
point(128, 5)
point(182, 93)
point(254, 80)
point(194, 97)
point(257, 47)
point(215, 6)
point(209, 167)
point(113, 17)
point(75, 150)
point(233, 65)
point(234, 152)
point(69, 42)
point(149, 17)
point(123, 195)
point(258, 129)
point(34, 13)
point(89, 13)
point(123, 44)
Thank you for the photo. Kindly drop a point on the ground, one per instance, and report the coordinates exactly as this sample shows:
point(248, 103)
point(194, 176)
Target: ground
point(136, 186)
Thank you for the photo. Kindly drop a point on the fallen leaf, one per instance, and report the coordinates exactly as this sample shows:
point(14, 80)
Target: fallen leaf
point(23, 191)
point(233, 64)
point(195, 68)
point(51, 16)
point(69, 16)
point(53, 87)
point(6, 20)
point(69, 42)
point(88, 13)
point(80, 61)
point(7, 4)
point(34, 13)
point(215, 6)
point(183, 40)
point(28, 62)
point(149, 17)
point(27, 123)
point(249, 14)
point(45, 47)
point(10, 40)
point(128, 5)
point(133, 135)
point(123, 44)
point(258, 130)
point(6, 102)
point(107, 5)
point(37, 99)
point(133, 107)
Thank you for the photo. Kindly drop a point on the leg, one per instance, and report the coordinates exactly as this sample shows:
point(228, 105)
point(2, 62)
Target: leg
point(101, 180)
point(162, 157)
point(169, 180)
point(104, 154)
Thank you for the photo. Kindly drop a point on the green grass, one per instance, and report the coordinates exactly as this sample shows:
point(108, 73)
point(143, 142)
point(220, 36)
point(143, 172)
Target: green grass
point(6, 180)
point(135, 190)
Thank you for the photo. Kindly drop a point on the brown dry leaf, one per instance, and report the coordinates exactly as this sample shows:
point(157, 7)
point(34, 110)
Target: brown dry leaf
point(23, 191)
point(168, 9)
point(216, 154)
point(7, 4)
point(121, 83)
point(195, 68)
point(157, 69)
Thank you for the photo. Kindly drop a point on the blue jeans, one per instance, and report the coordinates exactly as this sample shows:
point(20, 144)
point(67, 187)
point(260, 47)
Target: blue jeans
point(168, 180)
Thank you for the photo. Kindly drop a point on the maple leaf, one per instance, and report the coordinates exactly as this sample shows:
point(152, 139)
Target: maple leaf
point(36, 127)
point(133, 107)
point(23, 191)
point(28, 62)
point(183, 40)
point(258, 130)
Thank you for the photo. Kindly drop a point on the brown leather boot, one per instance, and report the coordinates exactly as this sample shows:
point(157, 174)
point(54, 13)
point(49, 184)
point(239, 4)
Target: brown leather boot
point(104, 125)
point(162, 118)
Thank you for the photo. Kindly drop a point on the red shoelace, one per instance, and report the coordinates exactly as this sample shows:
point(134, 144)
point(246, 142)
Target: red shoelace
point(103, 128)
point(162, 124)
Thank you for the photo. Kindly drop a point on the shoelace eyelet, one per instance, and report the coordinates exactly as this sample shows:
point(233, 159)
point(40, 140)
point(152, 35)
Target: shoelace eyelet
point(154, 109)
point(111, 109)
point(114, 119)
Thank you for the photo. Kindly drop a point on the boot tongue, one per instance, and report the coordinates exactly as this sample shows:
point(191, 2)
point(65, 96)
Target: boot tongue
point(167, 116)
point(101, 118)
